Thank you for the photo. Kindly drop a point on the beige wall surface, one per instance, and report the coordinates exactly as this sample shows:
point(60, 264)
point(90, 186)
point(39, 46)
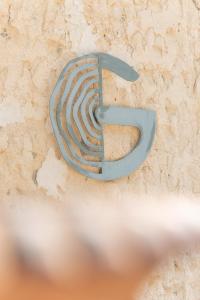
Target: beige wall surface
point(161, 39)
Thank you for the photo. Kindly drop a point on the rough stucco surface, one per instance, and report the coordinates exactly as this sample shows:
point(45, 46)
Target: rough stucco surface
point(161, 39)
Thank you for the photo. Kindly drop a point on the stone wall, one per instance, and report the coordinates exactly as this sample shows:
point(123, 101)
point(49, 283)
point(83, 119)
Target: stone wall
point(161, 39)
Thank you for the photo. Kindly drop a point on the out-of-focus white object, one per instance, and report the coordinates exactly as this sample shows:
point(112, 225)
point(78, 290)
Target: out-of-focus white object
point(94, 245)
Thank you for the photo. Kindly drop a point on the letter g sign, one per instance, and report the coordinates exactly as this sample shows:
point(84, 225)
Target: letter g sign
point(77, 115)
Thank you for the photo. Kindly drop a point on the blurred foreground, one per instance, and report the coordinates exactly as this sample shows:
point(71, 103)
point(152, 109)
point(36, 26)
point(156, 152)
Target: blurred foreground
point(91, 251)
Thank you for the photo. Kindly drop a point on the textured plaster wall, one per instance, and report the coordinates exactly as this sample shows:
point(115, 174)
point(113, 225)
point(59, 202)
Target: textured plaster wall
point(161, 39)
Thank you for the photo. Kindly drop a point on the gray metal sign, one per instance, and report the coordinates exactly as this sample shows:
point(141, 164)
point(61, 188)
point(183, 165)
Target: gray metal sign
point(78, 114)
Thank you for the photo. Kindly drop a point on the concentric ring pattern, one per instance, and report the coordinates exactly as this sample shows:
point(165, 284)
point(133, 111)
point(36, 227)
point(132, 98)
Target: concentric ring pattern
point(73, 102)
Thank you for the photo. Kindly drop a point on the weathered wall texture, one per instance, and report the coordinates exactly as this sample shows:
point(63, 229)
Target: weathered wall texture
point(161, 39)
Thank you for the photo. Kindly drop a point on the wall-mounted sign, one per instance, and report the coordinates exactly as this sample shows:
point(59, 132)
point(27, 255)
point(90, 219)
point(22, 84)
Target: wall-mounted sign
point(78, 114)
